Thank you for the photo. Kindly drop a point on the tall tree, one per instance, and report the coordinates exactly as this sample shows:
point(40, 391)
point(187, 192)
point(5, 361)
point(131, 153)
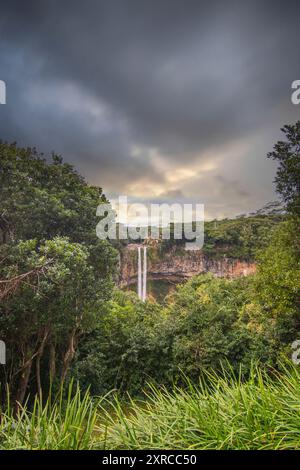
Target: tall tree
point(287, 154)
point(42, 199)
point(55, 273)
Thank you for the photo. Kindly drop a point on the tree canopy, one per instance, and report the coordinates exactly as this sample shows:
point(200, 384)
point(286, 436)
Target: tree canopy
point(287, 154)
point(55, 273)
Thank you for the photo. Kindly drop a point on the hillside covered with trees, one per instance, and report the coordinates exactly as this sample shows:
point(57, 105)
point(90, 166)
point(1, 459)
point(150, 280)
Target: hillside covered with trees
point(63, 319)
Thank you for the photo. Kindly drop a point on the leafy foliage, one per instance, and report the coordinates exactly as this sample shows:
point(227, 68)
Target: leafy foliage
point(238, 238)
point(287, 154)
point(241, 237)
point(207, 322)
point(55, 273)
point(41, 199)
point(60, 310)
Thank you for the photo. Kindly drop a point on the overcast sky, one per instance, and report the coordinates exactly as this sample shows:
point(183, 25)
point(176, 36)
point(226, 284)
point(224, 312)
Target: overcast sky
point(160, 100)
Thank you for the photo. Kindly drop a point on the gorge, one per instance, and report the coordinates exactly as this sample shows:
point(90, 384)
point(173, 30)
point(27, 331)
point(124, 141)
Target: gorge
point(175, 266)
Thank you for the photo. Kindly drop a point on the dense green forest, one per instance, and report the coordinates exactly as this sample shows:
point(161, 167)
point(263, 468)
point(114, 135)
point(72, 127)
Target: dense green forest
point(64, 321)
point(239, 238)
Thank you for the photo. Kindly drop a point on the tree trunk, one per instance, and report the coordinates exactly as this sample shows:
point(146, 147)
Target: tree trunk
point(38, 375)
point(67, 359)
point(52, 363)
point(23, 384)
point(38, 361)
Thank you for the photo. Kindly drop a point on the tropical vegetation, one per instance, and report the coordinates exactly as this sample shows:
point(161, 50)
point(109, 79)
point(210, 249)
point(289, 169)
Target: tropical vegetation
point(91, 366)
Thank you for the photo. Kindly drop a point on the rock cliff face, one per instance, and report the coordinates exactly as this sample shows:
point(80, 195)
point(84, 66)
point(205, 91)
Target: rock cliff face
point(179, 266)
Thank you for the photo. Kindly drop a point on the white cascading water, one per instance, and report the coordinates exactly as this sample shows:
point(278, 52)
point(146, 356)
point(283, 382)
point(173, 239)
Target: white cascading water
point(139, 273)
point(142, 274)
point(145, 274)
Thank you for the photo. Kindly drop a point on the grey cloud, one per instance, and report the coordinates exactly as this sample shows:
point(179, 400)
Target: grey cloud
point(179, 77)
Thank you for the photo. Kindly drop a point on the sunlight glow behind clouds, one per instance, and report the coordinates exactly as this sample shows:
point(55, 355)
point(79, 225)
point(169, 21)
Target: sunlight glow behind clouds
point(154, 102)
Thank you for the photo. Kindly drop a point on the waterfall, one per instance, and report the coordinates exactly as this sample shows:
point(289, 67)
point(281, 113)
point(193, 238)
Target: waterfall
point(145, 274)
point(139, 273)
point(142, 274)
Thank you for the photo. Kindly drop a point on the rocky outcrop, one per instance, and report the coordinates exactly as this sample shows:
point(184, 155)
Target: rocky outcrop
point(177, 266)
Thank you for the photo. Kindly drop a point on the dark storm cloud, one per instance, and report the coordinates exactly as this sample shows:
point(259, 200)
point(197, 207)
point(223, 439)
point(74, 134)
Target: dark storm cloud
point(109, 83)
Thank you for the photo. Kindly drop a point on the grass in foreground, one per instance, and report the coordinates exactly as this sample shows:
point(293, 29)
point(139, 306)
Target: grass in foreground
point(64, 423)
point(219, 413)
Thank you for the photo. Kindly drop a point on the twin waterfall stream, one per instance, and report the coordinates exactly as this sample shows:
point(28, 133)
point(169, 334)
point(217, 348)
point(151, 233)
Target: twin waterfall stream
point(142, 273)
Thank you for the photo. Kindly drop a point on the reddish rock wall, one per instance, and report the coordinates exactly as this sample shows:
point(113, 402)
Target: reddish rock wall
point(177, 267)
